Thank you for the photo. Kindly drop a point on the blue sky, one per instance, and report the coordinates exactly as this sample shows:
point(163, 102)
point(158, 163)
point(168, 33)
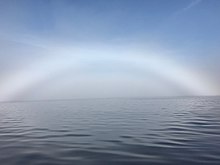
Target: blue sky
point(102, 48)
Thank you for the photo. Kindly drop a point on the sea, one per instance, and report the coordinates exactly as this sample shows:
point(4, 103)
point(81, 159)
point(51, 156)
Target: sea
point(113, 131)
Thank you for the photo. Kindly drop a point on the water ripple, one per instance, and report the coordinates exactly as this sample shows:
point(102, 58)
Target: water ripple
point(111, 131)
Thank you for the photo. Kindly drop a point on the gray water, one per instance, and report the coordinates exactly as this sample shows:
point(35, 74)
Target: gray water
point(111, 131)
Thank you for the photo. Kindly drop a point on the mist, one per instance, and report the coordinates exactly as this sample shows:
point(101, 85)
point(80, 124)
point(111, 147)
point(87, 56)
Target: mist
point(75, 49)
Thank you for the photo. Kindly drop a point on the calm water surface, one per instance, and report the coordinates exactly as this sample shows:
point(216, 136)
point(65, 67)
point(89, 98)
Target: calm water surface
point(111, 131)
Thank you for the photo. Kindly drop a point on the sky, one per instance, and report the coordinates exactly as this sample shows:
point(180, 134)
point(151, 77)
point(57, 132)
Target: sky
point(108, 48)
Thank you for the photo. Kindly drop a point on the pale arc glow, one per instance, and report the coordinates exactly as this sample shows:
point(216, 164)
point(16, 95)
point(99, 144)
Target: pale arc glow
point(59, 61)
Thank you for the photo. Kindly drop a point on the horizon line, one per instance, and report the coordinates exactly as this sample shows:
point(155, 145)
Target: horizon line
point(100, 98)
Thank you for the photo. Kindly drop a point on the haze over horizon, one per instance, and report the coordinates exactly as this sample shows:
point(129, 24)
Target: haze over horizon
point(119, 48)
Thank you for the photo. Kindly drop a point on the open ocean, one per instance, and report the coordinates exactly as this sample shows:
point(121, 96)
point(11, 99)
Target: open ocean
point(179, 131)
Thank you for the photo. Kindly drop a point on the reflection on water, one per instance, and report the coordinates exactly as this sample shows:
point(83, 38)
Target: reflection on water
point(111, 131)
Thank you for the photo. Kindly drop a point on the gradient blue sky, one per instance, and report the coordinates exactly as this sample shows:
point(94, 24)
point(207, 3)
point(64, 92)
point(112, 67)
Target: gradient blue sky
point(108, 48)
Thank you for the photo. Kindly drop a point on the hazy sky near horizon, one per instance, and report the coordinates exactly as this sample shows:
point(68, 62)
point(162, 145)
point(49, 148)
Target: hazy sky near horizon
point(62, 49)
